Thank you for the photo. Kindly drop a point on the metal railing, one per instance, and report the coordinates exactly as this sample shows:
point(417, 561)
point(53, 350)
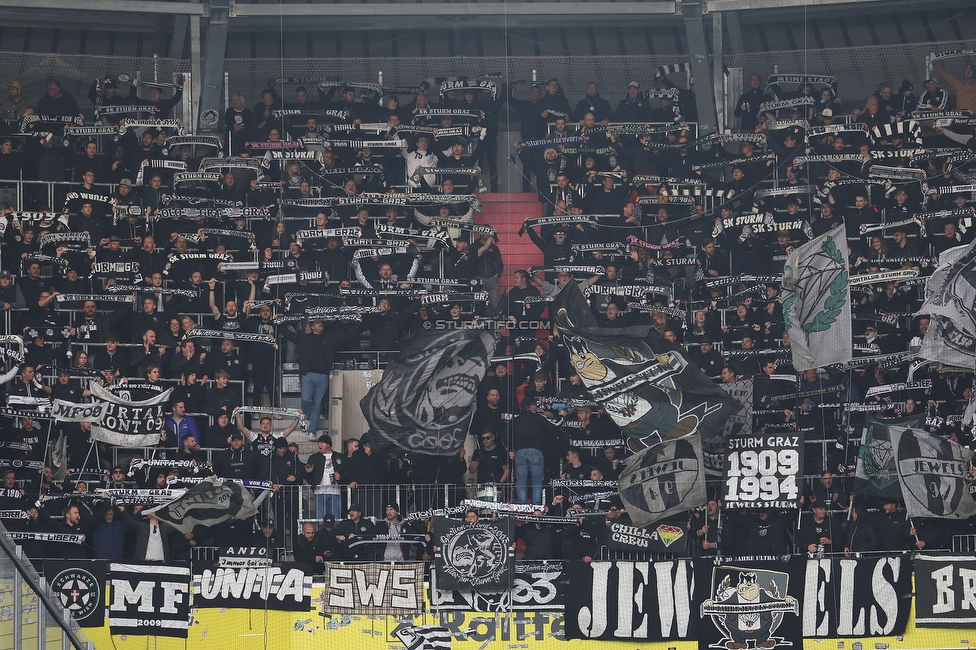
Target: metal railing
point(29, 594)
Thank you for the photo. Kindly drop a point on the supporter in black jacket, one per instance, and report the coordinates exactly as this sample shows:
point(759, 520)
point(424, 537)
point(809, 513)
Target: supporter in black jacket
point(533, 127)
point(818, 532)
point(593, 103)
point(747, 108)
point(862, 533)
point(236, 462)
point(349, 529)
point(316, 354)
point(307, 549)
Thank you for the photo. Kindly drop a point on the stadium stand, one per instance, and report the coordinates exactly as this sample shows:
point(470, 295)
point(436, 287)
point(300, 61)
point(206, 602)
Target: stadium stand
point(180, 305)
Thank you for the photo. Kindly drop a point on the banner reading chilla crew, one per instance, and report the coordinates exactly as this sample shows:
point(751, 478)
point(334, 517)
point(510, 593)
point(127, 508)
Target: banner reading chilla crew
point(816, 302)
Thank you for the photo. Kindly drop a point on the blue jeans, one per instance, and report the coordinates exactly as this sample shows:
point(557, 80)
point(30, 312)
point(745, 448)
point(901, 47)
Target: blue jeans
point(529, 463)
point(328, 504)
point(315, 386)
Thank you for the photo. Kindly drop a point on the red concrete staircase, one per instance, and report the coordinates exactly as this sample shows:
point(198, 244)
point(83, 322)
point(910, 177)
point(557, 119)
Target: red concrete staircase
point(506, 212)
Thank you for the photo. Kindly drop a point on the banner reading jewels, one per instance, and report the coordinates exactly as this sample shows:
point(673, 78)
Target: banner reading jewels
point(630, 600)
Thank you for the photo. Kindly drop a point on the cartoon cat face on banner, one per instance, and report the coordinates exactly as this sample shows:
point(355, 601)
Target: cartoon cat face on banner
point(749, 605)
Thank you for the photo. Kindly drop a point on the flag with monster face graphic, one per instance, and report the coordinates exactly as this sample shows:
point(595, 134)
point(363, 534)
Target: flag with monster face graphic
point(646, 384)
point(427, 396)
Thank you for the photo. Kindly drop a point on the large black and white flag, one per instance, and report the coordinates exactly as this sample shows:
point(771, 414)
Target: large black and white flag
point(867, 596)
point(663, 479)
point(647, 385)
point(149, 599)
point(875, 474)
point(950, 301)
point(427, 396)
point(477, 556)
point(115, 420)
point(932, 473)
point(207, 503)
point(945, 591)
point(631, 600)
point(761, 471)
point(816, 301)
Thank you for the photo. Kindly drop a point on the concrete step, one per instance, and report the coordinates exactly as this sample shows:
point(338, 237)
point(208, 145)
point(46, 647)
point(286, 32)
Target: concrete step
point(507, 197)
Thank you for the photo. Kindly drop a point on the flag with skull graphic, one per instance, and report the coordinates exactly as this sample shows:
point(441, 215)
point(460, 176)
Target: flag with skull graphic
point(426, 399)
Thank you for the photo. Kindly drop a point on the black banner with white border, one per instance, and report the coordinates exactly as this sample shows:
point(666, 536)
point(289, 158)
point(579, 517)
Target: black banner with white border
point(857, 597)
point(760, 471)
point(150, 600)
point(945, 591)
point(283, 586)
point(630, 600)
point(536, 588)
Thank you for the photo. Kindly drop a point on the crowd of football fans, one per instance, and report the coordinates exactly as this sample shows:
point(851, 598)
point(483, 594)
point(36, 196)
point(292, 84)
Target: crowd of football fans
point(675, 210)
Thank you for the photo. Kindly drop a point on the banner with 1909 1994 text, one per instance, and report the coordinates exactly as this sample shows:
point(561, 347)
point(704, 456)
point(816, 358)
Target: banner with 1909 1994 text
point(761, 471)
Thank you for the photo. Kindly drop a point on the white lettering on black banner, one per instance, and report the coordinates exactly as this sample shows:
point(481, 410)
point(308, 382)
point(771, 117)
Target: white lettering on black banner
point(150, 600)
point(761, 471)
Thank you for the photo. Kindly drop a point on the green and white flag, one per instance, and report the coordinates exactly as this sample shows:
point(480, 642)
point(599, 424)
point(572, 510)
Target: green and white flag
point(816, 302)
